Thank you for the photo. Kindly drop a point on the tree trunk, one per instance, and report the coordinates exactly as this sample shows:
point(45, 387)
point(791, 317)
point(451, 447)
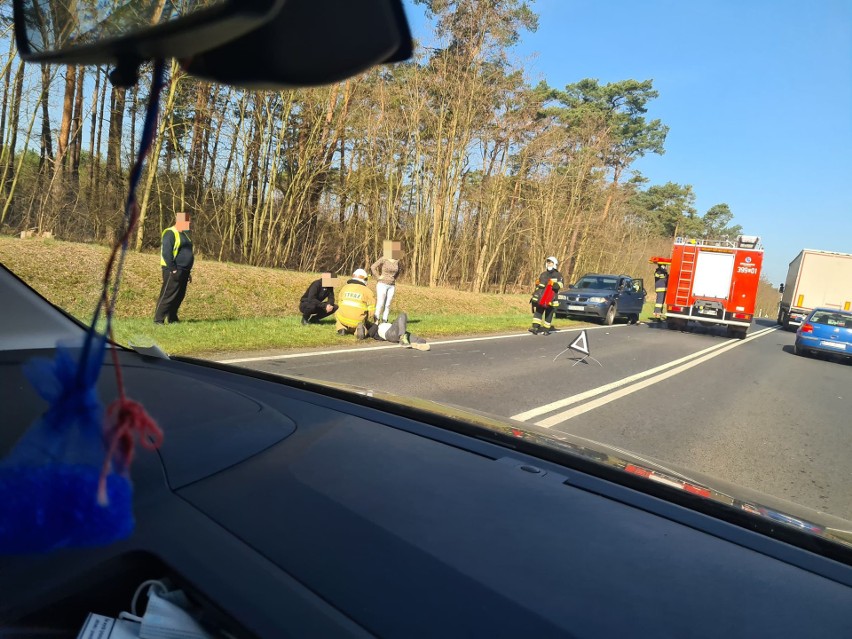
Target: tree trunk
point(77, 128)
point(46, 154)
point(7, 79)
point(116, 125)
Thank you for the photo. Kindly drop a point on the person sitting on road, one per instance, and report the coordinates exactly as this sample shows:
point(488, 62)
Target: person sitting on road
point(357, 305)
point(318, 301)
point(397, 332)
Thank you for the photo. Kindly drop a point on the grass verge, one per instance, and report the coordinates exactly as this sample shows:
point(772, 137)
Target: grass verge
point(212, 338)
point(233, 308)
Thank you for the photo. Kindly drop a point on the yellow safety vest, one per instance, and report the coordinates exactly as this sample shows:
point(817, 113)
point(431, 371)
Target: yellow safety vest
point(356, 302)
point(176, 247)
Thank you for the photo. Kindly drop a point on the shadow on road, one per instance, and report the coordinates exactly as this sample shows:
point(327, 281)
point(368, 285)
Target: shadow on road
point(655, 325)
point(717, 331)
point(826, 357)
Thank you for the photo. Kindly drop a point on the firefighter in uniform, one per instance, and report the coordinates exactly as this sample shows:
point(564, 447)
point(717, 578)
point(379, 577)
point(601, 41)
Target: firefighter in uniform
point(544, 298)
point(661, 282)
point(176, 260)
point(357, 304)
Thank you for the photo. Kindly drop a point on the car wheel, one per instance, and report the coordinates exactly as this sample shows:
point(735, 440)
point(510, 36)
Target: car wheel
point(633, 318)
point(798, 350)
point(610, 316)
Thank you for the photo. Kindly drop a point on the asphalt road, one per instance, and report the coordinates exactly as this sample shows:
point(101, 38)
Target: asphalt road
point(750, 412)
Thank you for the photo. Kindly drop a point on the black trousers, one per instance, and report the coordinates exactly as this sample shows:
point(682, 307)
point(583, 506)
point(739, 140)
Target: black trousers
point(171, 294)
point(542, 315)
point(314, 310)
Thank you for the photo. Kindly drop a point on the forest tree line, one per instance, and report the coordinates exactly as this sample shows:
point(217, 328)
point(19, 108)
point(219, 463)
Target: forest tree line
point(479, 172)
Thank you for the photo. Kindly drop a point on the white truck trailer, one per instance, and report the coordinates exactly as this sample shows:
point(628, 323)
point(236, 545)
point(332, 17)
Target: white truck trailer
point(815, 279)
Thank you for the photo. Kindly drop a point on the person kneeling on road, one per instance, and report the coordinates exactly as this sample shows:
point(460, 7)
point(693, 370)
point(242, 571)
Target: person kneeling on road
point(397, 332)
point(357, 304)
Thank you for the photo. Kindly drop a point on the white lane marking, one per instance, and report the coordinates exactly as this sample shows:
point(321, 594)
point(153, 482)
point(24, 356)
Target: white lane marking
point(623, 392)
point(562, 403)
point(349, 351)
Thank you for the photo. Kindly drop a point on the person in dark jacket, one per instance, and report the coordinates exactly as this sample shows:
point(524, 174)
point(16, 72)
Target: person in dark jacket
point(176, 260)
point(661, 283)
point(544, 298)
point(318, 301)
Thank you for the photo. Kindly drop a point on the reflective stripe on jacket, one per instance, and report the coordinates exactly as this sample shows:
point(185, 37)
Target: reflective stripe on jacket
point(661, 281)
point(554, 278)
point(356, 303)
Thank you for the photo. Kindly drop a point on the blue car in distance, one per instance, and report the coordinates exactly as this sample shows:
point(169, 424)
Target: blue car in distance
point(826, 330)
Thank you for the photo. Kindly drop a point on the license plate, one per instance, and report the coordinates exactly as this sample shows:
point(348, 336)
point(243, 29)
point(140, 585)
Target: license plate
point(706, 311)
point(838, 346)
point(572, 307)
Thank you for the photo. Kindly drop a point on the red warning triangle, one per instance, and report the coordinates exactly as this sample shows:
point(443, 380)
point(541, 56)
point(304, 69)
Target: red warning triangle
point(581, 344)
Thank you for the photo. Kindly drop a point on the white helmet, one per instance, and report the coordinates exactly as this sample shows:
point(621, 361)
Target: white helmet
point(552, 259)
point(360, 274)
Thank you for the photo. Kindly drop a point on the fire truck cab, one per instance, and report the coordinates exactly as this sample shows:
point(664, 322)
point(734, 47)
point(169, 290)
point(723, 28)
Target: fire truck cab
point(714, 282)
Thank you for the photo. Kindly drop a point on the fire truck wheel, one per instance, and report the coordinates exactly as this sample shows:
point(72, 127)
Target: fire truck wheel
point(676, 324)
point(610, 316)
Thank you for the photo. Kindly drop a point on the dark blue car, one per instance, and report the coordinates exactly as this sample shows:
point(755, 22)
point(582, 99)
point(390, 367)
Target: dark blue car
point(603, 297)
point(826, 330)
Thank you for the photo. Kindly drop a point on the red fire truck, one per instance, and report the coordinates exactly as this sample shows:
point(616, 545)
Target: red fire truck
point(713, 282)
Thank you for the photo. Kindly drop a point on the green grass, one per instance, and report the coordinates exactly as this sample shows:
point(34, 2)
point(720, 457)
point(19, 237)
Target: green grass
point(215, 337)
point(234, 308)
point(647, 312)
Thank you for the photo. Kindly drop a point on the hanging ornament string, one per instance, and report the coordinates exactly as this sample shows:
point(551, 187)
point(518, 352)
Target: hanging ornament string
point(126, 419)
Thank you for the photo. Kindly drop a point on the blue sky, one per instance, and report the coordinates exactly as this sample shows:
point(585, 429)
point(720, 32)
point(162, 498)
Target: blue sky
point(757, 95)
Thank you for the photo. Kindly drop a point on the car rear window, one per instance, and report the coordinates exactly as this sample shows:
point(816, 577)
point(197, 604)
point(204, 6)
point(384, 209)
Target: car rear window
point(842, 320)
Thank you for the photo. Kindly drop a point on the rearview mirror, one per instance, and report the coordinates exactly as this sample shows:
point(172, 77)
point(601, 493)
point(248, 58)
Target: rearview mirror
point(118, 31)
point(250, 43)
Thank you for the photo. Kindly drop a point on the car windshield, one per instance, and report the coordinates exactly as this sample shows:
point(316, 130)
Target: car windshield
point(599, 283)
point(414, 230)
point(843, 320)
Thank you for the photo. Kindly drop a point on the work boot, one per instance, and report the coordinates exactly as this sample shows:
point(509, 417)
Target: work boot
point(304, 321)
point(405, 340)
point(534, 329)
point(342, 332)
point(360, 331)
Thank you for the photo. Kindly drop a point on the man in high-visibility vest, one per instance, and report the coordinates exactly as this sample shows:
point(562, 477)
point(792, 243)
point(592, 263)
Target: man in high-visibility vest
point(661, 283)
point(176, 260)
point(357, 304)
